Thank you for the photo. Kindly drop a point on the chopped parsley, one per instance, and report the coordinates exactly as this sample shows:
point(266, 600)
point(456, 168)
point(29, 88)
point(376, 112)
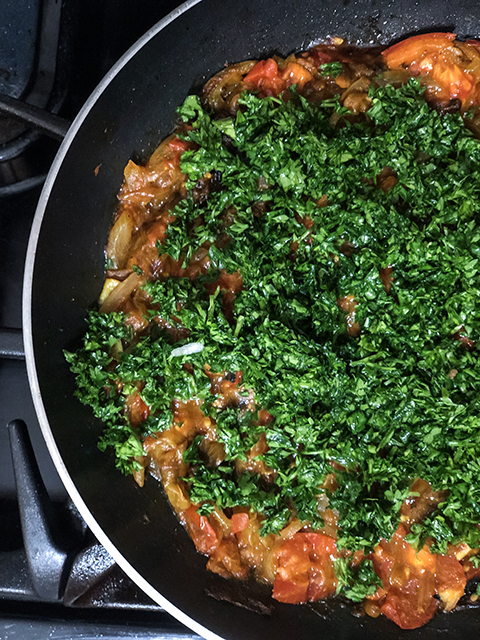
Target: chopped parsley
point(333, 69)
point(399, 401)
point(356, 584)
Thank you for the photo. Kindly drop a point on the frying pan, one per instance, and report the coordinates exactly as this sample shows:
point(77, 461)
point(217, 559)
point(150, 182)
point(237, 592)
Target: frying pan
point(127, 115)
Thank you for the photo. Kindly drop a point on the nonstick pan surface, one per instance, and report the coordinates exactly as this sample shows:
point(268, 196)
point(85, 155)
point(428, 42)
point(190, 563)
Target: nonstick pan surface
point(126, 117)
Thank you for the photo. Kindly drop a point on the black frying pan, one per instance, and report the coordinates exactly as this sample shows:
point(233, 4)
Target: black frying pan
point(127, 115)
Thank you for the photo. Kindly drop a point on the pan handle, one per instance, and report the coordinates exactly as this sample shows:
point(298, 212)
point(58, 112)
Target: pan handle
point(49, 123)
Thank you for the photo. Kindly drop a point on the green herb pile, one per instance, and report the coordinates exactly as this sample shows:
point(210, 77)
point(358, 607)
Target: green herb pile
point(401, 400)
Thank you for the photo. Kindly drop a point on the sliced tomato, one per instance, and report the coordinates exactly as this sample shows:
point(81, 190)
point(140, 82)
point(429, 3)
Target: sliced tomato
point(305, 568)
point(200, 530)
point(451, 581)
point(405, 609)
point(409, 581)
point(269, 80)
point(412, 50)
point(323, 580)
point(458, 83)
point(265, 77)
point(451, 69)
point(293, 568)
point(240, 521)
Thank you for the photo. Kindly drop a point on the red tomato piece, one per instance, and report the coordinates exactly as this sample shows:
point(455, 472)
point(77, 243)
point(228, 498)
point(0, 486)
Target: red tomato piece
point(451, 581)
point(178, 144)
point(407, 609)
point(457, 82)
point(240, 521)
point(292, 576)
point(319, 56)
point(321, 543)
point(305, 568)
point(411, 50)
point(200, 530)
point(451, 67)
point(323, 580)
point(409, 581)
point(265, 77)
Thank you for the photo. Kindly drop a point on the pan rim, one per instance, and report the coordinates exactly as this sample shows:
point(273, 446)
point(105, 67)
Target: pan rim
point(54, 452)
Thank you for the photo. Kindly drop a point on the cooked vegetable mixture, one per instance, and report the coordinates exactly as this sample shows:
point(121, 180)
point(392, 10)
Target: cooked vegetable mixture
point(287, 334)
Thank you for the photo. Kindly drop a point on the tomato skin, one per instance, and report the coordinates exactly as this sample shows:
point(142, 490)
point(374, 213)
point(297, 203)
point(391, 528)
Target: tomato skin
point(269, 80)
point(178, 146)
point(398, 608)
point(449, 68)
point(451, 581)
point(408, 579)
point(410, 50)
point(305, 568)
point(265, 77)
point(200, 530)
point(240, 521)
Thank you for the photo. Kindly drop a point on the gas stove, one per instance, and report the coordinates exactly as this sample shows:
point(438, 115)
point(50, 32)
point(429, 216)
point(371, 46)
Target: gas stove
point(56, 581)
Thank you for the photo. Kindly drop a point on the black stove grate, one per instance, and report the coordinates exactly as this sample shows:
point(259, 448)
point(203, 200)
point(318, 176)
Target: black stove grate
point(61, 561)
point(52, 569)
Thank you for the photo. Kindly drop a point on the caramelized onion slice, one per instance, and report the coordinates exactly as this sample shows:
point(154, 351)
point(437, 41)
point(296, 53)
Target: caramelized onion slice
point(121, 293)
point(219, 90)
point(108, 286)
point(120, 240)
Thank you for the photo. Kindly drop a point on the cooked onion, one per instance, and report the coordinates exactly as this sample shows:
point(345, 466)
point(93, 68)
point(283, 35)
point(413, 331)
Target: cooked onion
point(121, 292)
point(119, 240)
point(187, 349)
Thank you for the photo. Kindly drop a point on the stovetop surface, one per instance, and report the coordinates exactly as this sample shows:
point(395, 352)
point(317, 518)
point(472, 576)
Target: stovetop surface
point(95, 35)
